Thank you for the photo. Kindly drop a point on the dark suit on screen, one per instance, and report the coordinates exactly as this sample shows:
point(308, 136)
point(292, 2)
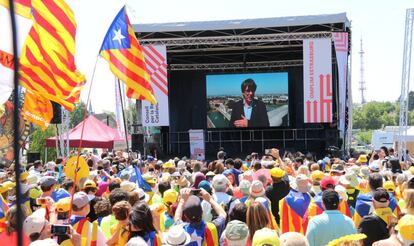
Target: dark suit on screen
point(258, 117)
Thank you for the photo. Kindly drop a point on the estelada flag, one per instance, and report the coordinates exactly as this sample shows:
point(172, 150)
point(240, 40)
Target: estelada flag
point(126, 58)
point(292, 209)
point(37, 109)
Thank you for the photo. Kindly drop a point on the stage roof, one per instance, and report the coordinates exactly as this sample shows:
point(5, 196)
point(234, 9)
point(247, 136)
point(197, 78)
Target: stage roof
point(250, 44)
point(243, 23)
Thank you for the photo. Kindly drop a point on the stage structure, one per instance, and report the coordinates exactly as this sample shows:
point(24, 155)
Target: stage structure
point(197, 51)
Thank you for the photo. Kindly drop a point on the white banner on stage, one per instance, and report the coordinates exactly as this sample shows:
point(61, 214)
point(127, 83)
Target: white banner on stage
point(156, 59)
point(341, 50)
point(197, 149)
point(317, 83)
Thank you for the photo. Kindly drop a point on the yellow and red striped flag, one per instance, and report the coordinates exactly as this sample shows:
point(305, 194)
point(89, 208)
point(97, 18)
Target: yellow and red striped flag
point(47, 64)
point(21, 7)
point(126, 59)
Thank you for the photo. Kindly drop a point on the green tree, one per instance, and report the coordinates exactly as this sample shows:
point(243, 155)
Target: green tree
point(364, 136)
point(77, 114)
point(38, 142)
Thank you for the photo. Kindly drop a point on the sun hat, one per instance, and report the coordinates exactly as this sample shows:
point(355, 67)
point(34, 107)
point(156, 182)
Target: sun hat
point(337, 168)
point(170, 196)
point(277, 172)
point(220, 182)
point(176, 236)
point(128, 186)
point(35, 222)
point(176, 174)
point(236, 233)
point(265, 236)
point(256, 189)
point(341, 190)
point(349, 178)
point(210, 174)
point(362, 159)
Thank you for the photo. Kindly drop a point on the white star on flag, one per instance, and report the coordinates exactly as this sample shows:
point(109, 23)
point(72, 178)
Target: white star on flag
point(196, 238)
point(118, 36)
point(298, 196)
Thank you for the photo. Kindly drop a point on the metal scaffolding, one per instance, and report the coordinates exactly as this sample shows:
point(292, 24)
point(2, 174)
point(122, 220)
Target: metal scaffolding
point(405, 83)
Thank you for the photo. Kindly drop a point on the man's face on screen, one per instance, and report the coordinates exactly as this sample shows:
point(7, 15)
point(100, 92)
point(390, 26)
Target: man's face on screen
point(248, 95)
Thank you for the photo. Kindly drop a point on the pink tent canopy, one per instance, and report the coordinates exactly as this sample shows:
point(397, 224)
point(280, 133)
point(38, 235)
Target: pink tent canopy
point(95, 135)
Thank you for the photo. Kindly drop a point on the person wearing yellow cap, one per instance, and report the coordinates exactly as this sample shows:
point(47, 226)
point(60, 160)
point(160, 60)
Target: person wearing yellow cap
point(89, 187)
point(265, 236)
point(278, 190)
point(152, 181)
point(316, 177)
point(62, 208)
point(170, 197)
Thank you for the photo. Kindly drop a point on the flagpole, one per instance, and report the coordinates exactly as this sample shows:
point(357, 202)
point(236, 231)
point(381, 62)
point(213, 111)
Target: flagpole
point(16, 123)
point(81, 136)
point(123, 114)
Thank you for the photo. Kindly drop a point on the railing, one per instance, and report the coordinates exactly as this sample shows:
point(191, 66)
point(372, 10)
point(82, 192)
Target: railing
point(178, 142)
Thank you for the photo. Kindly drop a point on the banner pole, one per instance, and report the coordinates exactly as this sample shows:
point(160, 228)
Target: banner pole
point(123, 114)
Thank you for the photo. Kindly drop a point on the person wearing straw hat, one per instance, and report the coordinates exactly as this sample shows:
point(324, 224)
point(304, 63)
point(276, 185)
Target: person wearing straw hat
point(177, 236)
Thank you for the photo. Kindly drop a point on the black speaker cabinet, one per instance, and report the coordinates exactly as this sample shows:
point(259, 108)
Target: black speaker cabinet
point(57, 113)
point(137, 142)
point(33, 156)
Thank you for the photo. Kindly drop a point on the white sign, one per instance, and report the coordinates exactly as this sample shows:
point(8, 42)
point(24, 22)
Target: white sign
point(317, 80)
point(197, 149)
point(156, 60)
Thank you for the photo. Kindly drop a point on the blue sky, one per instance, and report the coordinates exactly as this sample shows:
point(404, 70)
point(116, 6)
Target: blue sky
point(229, 84)
point(381, 24)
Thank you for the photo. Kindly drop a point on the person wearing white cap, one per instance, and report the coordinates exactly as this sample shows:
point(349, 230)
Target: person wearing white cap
point(91, 232)
point(220, 185)
point(38, 230)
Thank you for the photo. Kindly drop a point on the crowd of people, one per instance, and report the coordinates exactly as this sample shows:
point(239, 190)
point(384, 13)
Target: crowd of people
point(291, 200)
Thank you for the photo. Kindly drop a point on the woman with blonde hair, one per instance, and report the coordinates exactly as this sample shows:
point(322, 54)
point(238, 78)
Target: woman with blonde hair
point(257, 218)
point(409, 201)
